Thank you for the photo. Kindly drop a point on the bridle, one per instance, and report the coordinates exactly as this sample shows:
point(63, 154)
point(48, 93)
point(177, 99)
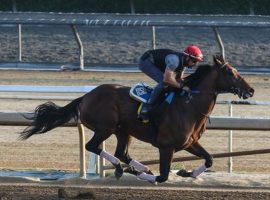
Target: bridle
point(234, 90)
point(215, 93)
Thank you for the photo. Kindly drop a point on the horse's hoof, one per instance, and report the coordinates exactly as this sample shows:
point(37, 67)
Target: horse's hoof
point(131, 170)
point(153, 183)
point(161, 179)
point(184, 173)
point(118, 173)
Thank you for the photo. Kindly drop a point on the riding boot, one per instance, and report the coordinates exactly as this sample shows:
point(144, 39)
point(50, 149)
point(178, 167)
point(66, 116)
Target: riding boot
point(151, 101)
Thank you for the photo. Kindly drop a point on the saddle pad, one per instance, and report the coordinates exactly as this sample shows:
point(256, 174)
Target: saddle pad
point(140, 92)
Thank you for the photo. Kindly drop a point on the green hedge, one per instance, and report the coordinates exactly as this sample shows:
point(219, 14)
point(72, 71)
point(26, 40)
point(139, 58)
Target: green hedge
point(260, 7)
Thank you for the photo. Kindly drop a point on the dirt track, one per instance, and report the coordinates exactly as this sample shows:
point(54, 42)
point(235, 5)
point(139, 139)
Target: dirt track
point(207, 186)
point(117, 193)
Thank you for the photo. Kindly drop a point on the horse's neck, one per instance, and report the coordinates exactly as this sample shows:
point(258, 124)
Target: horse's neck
point(207, 99)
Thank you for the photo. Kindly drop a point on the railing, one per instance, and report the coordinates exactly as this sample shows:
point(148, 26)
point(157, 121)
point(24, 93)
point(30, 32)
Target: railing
point(221, 123)
point(230, 132)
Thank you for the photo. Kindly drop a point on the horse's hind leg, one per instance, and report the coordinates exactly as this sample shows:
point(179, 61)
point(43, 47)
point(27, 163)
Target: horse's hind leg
point(121, 152)
point(93, 146)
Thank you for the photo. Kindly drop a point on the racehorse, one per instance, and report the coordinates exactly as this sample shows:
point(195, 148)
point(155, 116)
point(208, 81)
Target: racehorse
point(108, 109)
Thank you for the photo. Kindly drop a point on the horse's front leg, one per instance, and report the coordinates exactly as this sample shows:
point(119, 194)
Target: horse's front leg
point(197, 150)
point(165, 160)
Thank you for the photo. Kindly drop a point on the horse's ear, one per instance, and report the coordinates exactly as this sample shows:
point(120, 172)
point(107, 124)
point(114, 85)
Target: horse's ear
point(217, 59)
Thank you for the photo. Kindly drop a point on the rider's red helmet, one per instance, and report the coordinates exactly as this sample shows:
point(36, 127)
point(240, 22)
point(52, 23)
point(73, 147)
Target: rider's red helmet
point(194, 52)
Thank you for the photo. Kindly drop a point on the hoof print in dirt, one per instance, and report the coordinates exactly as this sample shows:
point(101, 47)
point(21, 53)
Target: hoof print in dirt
point(4, 196)
point(64, 194)
point(85, 195)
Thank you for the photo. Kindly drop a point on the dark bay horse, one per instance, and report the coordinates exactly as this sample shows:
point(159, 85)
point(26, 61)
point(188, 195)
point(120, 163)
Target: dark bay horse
point(108, 109)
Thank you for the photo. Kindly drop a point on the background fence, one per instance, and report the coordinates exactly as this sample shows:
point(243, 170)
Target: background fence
point(130, 21)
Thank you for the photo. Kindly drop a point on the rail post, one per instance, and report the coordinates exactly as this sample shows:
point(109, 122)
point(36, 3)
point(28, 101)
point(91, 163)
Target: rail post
point(102, 162)
point(93, 163)
point(79, 42)
point(19, 28)
point(82, 150)
point(153, 37)
point(230, 141)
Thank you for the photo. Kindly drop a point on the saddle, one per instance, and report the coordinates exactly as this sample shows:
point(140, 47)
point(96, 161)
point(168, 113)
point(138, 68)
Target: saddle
point(141, 92)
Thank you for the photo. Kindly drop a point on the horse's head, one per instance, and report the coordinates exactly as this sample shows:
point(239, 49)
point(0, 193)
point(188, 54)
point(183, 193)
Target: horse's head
point(229, 79)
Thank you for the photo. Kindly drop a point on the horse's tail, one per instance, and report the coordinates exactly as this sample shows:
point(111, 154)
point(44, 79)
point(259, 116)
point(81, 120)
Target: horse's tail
point(48, 116)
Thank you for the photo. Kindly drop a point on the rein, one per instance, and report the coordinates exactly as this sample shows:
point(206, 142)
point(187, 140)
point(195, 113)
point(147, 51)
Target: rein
point(206, 92)
point(197, 92)
point(195, 106)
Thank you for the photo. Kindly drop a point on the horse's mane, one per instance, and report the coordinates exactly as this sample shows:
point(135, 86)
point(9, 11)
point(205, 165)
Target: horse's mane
point(195, 78)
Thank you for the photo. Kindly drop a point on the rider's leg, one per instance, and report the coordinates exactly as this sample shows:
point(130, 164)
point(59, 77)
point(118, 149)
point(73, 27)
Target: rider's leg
point(148, 68)
point(155, 93)
point(153, 97)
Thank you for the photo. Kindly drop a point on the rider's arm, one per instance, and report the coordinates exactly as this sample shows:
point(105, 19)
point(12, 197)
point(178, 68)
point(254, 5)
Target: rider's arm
point(169, 79)
point(171, 61)
point(179, 76)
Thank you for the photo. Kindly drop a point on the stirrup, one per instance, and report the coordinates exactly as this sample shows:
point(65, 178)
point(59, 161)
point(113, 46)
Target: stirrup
point(144, 118)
